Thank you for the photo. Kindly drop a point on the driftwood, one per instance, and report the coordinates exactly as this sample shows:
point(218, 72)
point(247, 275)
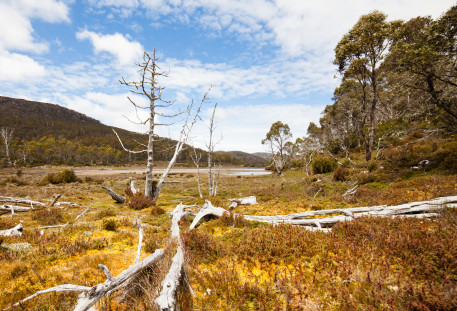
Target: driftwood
point(14, 208)
point(421, 209)
point(243, 201)
point(208, 211)
point(167, 298)
point(116, 197)
point(4, 199)
point(55, 200)
point(15, 231)
point(90, 295)
point(132, 186)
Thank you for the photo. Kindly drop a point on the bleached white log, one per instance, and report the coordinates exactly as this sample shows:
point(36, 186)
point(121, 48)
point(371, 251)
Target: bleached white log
point(4, 199)
point(59, 288)
point(351, 191)
point(243, 201)
point(14, 208)
point(116, 197)
point(167, 298)
point(90, 295)
point(207, 210)
point(15, 231)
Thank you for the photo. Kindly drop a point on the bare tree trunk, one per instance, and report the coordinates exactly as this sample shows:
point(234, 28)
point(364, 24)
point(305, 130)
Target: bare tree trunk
point(196, 159)
point(210, 147)
point(116, 197)
point(7, 135)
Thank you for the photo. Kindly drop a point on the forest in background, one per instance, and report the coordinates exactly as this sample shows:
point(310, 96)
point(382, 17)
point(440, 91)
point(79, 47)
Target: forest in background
point(45, 133)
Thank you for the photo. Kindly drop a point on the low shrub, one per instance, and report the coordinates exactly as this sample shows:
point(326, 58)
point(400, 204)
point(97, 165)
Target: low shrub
point(139, 201)
point(156, 210)
point(340, 174)
point(201, 247)
point(66, 176)
point(372, 166)
point(50, 216)
point(109, 224)
point(106, 213)
point(322, 165)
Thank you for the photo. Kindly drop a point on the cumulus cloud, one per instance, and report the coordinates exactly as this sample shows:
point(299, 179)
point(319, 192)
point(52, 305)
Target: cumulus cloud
point(15, 67)
point(242, 127)
point(126, 52)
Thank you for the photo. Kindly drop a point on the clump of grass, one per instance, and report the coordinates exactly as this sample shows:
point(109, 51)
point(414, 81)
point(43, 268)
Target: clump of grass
point(49, 216)
point(66, 176)
point(202, 246)
point(139, 201)
point(106, 213)
point(156, 210)
point(109, 224)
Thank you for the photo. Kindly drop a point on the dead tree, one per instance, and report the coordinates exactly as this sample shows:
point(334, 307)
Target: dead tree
point(183, 137)
point(211, 166)
point(7, 135)
point(196, 159)
point(148, 86)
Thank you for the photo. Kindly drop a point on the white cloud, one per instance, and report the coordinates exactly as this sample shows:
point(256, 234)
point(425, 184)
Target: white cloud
point(243, 127)
point(127, 52)
point(17, 68)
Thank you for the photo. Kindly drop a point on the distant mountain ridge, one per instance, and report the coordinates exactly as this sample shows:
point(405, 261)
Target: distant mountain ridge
point(35, 123)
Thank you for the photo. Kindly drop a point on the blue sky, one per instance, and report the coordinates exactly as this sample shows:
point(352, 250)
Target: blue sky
point(268, 60)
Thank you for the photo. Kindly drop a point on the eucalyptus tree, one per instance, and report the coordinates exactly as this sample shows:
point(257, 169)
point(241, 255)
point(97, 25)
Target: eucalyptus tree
point(276, 140)
point(359, 55)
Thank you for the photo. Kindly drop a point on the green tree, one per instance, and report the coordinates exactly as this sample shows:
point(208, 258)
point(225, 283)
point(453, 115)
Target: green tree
point(276, 140)
point(359, 55)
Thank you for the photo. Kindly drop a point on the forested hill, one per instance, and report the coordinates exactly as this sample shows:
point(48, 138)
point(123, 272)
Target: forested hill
point(46, 133)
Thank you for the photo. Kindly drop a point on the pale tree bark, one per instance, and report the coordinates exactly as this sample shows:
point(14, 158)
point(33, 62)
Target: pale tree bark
point(210, 146)
point(7, 135)
point(91, 295)
point(183, 137)
point(196, 159)
point(116, 197)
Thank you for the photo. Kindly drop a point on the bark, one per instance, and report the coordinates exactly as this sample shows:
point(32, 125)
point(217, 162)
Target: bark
point(15, 231)
point(132, 186)
point(91, 295)
point(14, 208)
point(167, 299)
point(116, 197)
point(243, 201)
point(208, 210)
point(55, 200)
point(4, 199)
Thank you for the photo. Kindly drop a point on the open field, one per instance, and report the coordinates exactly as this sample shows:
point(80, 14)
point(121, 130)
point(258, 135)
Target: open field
point(368, 264)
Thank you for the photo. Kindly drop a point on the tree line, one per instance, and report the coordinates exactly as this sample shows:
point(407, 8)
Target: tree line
point(396, 77)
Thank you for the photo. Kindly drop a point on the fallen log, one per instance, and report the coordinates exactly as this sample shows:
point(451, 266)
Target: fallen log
point(4, 199)
point(90, 295)
point(15, 231)
point(14, 208)
point(66, 224)
point(116, 197)
point(243, 201)
point(167, 299)
point(208, 210)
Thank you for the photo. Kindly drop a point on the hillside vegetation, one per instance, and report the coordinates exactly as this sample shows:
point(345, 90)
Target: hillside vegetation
point(50, 134)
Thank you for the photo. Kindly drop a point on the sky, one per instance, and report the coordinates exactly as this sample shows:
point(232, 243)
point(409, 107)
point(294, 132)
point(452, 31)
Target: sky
point(269, 60)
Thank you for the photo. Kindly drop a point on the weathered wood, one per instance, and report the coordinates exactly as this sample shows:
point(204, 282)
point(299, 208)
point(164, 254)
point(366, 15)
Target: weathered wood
point(116, 197)
point(207, 210)
point(14, 208)
point(90, 295)
point(167, 298)
point(243, 201)
point(132, 186)
point(55, 200)
point(66, 224)
point(4, 199)
point(15, 231)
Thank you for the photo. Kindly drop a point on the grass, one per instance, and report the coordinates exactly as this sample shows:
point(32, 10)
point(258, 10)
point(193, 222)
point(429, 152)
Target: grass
point(368, 264)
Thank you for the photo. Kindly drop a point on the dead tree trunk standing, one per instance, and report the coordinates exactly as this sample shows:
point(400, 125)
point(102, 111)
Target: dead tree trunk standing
point(211, 166)
point(196, 159)
point(7, 135)
point(183, 137)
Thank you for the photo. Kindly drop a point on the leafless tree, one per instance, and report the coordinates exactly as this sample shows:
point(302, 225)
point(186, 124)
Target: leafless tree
point(7, 136)
point(196, 159)
point(148, 86)
point(212, 178)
